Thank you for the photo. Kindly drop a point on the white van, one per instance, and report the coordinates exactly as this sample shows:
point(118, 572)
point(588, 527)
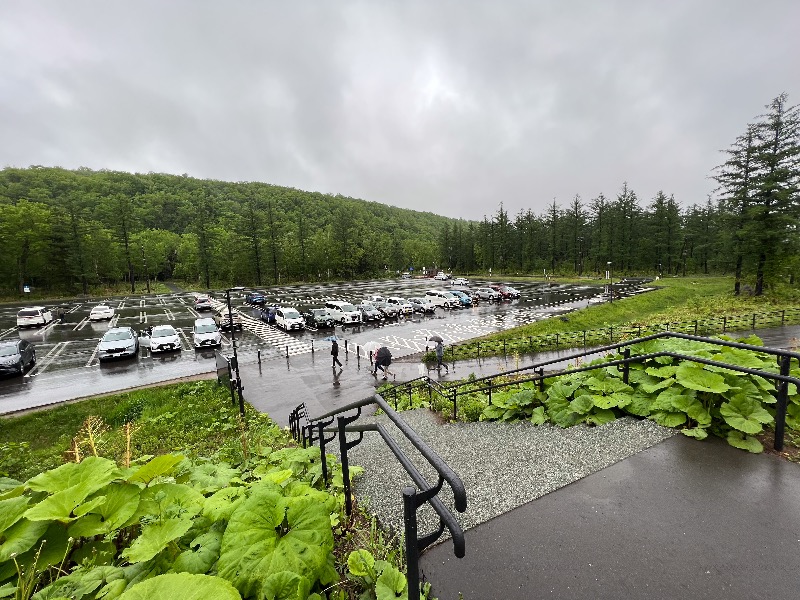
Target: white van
point(288, 319)
point(35, 316)
point(442, 298)
point(343, 313)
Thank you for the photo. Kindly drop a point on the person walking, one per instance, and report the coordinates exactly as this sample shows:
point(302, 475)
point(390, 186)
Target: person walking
point(440, 357)
point(335, 354)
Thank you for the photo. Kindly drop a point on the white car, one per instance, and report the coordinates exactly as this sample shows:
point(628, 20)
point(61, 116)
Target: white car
point(343, 313)
point(376, 298)
point(441, 276)
point(460, 281)
point(443, 298)
point(404, 307)
point(34, 316)
point(101, 312)
point(206, 334)
point(486, 293)
point(164, 338)
point(289, 319)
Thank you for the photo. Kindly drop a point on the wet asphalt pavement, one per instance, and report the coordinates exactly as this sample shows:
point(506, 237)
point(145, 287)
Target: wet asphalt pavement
point(67, 365)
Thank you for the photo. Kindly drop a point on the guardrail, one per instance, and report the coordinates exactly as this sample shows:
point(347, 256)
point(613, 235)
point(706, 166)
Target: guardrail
point(784, 358)
point(308, 430)
point(607, 335)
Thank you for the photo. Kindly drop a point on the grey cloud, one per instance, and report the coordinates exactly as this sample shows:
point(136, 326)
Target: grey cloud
point(445, 106)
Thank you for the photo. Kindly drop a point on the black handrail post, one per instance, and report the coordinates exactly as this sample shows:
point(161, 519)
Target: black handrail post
point(584, 339)
point(412, 550)
point(348, 501)
point(724, 323)
point(490, 392)
point(783, 318)
point(455, 408)
point(783, 398)
point(540, 372)
point(322, 457)
point(626, 368)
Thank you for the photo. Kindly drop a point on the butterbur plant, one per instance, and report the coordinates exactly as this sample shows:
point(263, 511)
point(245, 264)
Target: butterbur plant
point(170, 527)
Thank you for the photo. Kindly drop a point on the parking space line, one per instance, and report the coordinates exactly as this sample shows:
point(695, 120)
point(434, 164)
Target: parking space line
point(182, 333)
point(7, 331)
point(81, 325)
point(142, 302)
point(162, 301)
point(113, 321)
point(169, 314)
point(194, 312)
point(142, 316)
point(121, 304)
point(94, 353)
point(54, 353)
point(74, 308)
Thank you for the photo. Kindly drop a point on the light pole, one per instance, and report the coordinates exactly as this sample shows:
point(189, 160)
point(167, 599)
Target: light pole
point(610, 282)
point(233, 343)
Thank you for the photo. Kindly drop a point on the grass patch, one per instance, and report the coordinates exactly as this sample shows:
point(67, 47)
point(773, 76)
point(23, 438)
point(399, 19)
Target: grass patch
point(193, 418)
point(96, 292)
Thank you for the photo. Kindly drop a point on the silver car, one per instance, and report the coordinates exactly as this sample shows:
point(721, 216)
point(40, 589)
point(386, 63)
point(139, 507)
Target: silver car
point(118, 342)
point(164, 338)
point(205, 334)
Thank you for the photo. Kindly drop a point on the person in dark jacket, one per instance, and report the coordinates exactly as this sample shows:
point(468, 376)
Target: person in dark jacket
point(440, 357)
point(335, 354)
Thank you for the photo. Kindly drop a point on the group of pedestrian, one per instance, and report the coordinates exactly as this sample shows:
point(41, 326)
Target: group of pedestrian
point(382, 358)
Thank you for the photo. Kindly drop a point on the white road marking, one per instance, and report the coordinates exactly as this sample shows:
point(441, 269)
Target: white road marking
point(81, 325)
point(182, 334)
point(169, 314)
point(113, 321)
point(54, 353)
point(142, 316)
point(74, 308)
point(121, 304)
point(94, 353)
point(7, 331)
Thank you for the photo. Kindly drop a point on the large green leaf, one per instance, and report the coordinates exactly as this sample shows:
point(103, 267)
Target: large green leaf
point(745, 414)
point(120, 501)
point(608, 386)
point(562, 390)
point(80, 583)
point(89, 475)
point(182, 586)
point(11, 511)
point(21, 537)
point(696, 378)
point(693, 408)
point(210, 477)
point(286, 585)
point(659, 384)
point(155, 537)
point(601, 416)
point(582, 404)
point(361, 563)
point(668, 419)
point(639, 404)
point(269, 533)
point(203, 552)
point(665, 401)
point(158, 467)
point(698, 433)
point(538, 416)
point(744, 442)
point(168, 500)
point(221, 505)
point(391, 585)
point(662, 372)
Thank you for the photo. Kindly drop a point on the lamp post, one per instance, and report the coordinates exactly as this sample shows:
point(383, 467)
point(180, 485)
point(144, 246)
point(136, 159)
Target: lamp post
point(610, 282)
point(233, 343)
point(580, 256)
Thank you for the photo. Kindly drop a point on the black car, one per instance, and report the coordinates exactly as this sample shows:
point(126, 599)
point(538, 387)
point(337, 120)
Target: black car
point(16, 357)
point(319, 318)
point(369, 313)
point(255, 298)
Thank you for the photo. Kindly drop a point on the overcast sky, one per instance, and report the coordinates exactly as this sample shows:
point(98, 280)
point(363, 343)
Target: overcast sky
point(447, 106)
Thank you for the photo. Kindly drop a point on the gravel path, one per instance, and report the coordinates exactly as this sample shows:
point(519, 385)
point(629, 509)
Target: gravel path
point(502, 465)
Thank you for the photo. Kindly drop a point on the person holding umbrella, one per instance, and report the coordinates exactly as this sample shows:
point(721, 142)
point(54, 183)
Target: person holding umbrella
point(439, 352)
point(383, 358)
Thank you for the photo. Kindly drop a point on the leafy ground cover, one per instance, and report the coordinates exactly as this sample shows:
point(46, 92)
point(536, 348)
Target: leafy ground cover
point(696, 399)
point(165, 493)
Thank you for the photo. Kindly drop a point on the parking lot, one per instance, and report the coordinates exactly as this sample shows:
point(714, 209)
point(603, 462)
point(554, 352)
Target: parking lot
point(67, 365)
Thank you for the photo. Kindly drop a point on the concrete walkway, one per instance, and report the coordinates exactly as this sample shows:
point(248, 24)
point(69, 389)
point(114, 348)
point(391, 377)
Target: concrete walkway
point(683, 519)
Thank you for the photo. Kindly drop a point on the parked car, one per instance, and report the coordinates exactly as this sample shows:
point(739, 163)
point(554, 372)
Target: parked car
point(343, 312)
point(406, 275)
point(515, 293)
point(404, 307)
point(319, 318)
point(35, 316)
point(225, 320)
point(202, 303)
point(256, 298)
point(443, 298)
point(486, 293)
point(369, 313)
point(390, 311)
point(288, 319)
point(441, 276)
point(422, 305)
point(267, 314)
point(164, 338)
point(373, 299)
point(463, 298)
point(101, 312)
point(206, 334)
point(16, 357)
point(460, 281)
point(504, 292)
point(118, 342)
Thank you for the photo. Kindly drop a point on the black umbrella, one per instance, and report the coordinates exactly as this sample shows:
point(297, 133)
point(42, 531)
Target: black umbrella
point(383, 353)
point(436, 338)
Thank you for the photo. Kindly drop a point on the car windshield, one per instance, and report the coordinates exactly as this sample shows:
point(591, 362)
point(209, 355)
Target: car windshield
point(115, 336)
point(202, 299)
point(28, 313)
point(348, 308)
point(448, 295)
point(318, 312)
point(100, 309)
point(291, 314)
point(163, 332)
point(10, 350)
point(205, 328)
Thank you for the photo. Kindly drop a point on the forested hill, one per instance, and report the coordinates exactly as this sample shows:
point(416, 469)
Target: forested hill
point(63, 229)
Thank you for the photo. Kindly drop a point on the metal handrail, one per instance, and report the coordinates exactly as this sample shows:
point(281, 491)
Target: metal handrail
point(412, 498)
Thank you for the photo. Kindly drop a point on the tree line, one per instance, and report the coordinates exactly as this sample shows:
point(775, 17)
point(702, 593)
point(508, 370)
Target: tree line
point(67, 230)
point(748, 228)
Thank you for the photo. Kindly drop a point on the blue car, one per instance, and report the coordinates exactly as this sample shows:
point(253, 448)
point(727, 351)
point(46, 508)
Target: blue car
point(255, 298)
point(462, 297)
point(267, 314)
